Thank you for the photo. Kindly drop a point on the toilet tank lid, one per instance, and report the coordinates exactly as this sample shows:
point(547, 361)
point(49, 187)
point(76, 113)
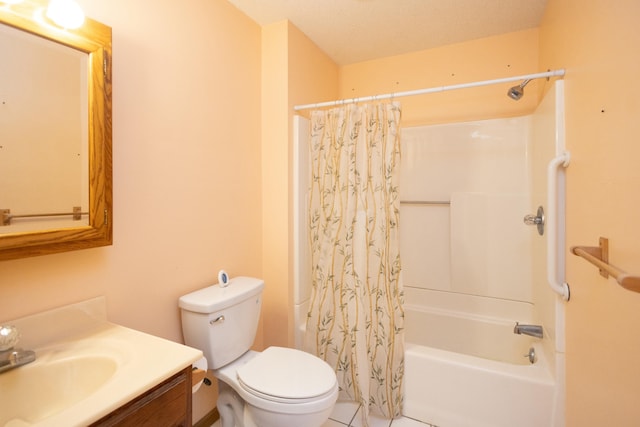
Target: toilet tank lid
point(214, 298)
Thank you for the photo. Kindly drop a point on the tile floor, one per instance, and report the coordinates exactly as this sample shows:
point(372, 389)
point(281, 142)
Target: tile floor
point(346, 414)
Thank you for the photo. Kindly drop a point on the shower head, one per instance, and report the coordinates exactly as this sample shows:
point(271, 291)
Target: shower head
point(516, 92)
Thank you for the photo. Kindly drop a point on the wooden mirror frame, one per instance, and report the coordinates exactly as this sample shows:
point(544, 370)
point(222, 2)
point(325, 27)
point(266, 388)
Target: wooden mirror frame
point(94, 39)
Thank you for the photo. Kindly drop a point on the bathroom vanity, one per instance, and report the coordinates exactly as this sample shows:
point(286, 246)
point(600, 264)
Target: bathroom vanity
point(90, 372)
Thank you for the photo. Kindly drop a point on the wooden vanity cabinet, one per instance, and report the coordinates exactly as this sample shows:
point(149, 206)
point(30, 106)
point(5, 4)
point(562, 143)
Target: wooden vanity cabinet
point(166, 405)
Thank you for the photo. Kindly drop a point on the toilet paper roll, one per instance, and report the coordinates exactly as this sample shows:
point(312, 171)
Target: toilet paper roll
point(199, 364)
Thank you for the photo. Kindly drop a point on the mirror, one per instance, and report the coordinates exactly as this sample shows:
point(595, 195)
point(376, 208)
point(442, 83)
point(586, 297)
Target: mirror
point(55, 133)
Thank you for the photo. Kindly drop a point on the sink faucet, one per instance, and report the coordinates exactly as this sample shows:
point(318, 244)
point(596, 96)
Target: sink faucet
point(11, 357)
point(532, 330)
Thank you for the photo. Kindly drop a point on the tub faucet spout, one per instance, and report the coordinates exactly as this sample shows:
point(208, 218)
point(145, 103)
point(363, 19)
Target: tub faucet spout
point(531, 330)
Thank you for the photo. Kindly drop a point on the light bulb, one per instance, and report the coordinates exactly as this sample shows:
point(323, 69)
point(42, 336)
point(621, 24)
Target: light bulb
point(65, 13)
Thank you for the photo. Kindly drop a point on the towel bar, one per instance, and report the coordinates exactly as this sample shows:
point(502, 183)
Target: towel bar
point(599, 256)
point(6, 216)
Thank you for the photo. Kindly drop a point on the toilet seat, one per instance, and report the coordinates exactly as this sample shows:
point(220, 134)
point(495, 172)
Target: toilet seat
point(286, 375)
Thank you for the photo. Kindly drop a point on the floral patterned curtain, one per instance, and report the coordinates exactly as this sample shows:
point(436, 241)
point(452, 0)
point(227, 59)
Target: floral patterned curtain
point(355, 320)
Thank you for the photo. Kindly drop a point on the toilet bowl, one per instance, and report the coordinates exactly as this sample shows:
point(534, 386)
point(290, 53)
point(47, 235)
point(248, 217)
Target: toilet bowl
point(278, 387)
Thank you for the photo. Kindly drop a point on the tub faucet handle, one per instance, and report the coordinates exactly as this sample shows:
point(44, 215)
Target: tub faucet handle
point(537, 220)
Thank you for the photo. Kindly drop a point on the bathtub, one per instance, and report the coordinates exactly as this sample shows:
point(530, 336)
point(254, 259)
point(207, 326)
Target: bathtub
point(468, 370)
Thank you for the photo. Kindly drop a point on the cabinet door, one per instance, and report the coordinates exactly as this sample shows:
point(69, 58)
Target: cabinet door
point(166, 405)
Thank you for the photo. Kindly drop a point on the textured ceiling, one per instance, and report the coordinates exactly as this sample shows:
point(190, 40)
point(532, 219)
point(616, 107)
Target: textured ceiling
point(352, 31)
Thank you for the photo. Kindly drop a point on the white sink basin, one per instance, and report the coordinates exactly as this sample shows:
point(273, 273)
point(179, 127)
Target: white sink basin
point(39, 390)
point(85, 367)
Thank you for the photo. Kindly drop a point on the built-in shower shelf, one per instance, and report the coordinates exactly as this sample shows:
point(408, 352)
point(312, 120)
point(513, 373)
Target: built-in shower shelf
point(599, 256)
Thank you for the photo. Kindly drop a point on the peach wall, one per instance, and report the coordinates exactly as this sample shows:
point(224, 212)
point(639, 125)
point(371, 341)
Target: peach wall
point(186, 144)
point(505, 55)
point(312, 76)
point(275, 165)
point(294, 70)
point(597, 42)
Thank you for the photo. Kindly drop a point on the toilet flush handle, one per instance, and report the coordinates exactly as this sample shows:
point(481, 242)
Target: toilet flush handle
point(219, 319)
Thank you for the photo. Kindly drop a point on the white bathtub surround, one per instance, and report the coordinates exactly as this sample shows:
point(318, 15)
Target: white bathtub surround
point(490, 247)
point(468, 368)
point(482, 169)
point(355, 319)
point(490, 338)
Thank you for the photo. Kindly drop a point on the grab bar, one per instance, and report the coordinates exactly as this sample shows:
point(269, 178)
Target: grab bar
point(553, 170)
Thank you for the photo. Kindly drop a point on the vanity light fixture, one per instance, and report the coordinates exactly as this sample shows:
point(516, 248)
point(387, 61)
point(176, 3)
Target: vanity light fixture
point(65, 13)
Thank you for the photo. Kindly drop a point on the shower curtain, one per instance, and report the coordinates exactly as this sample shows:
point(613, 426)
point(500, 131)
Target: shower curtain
point(355, 319)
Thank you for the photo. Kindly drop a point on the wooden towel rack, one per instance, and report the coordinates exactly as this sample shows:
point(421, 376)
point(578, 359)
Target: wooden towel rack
point(599, 256)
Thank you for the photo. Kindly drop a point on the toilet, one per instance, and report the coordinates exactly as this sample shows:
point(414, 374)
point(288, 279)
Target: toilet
point(278, 387)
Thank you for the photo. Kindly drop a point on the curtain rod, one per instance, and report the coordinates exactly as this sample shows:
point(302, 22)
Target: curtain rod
point(546, 74)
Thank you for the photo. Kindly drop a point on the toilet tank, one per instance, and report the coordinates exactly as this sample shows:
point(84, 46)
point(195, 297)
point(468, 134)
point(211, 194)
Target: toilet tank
point(222, 321)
